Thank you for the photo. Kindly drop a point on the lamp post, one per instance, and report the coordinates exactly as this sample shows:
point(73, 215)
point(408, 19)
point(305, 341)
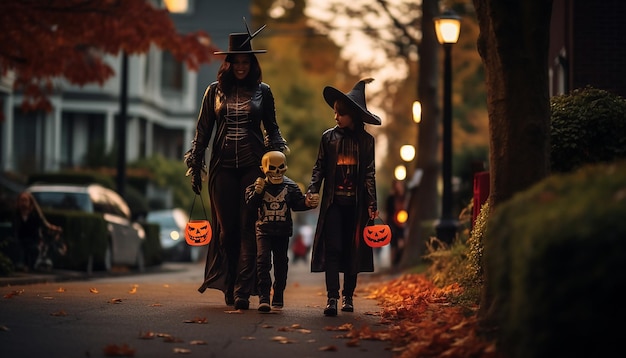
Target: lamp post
point(121, 127)
point(173, 6)
point(447, 26)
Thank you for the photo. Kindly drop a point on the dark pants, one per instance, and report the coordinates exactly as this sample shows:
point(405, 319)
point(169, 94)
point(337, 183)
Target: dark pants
point(338, 235)
point(237, 228)
point(268, 246)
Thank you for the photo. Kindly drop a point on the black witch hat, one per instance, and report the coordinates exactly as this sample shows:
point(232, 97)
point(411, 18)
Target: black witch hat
point(356, 96)
point(241, 42)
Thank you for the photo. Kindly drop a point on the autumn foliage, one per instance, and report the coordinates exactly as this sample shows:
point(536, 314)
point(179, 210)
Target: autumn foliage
point(44, 40)
point(421, 320)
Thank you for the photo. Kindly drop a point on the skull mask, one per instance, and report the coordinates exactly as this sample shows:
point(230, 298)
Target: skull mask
point(274, 166)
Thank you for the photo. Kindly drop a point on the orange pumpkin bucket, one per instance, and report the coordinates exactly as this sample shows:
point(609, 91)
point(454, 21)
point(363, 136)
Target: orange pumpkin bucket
point(198, 232)
point(377, 235)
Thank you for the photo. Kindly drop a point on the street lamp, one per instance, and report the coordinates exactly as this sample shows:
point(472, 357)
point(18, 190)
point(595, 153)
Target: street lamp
point(176, 6)
point(399, 172)
point(417, 112)
point(173, 6)
point(447, 26)
point(407, 152)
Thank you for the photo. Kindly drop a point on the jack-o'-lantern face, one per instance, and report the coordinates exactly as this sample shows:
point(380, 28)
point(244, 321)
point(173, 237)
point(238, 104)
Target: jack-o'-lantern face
point(377, 235)
point(274, 165)
point(198, 232)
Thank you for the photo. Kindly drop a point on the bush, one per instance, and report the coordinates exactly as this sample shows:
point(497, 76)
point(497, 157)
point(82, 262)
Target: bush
point(588, 126)
point(555, 255)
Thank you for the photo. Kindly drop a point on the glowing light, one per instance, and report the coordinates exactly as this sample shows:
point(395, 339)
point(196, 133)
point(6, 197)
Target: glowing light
point(417, 111)
point(407, 152)
point(176, 6)
point(402, 216)
point(400, 172)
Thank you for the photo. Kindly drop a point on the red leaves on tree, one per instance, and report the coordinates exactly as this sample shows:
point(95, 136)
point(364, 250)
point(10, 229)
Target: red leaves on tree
point(44, 40)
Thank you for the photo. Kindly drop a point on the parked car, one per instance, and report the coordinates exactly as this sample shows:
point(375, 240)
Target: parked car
point(175, 247)
point(126, 238)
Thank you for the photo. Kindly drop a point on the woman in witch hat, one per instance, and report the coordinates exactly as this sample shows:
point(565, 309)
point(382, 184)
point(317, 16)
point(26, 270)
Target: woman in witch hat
point(235, 109)
point(345, 165)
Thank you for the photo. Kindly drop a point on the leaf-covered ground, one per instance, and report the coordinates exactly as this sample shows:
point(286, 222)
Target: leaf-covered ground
point(420, 321)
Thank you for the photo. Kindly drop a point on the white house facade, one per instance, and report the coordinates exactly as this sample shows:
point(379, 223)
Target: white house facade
point(163, 99)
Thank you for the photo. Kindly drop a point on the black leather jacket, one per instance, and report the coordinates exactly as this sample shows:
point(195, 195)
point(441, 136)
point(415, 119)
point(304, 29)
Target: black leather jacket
point(213, 114)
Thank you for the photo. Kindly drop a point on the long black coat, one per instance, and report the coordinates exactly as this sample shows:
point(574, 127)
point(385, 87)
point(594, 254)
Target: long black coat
point(324, 173)
point(213, 123)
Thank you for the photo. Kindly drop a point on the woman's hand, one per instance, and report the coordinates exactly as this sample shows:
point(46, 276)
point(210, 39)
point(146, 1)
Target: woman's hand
point(312, 200)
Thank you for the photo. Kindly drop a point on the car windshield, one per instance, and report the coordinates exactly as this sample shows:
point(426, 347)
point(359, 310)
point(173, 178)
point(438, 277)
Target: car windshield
point(64, 201)
point(166, 221)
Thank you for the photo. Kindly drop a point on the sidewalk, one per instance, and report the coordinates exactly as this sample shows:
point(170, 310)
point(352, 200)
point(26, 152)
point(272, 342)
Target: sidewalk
point(381, 263)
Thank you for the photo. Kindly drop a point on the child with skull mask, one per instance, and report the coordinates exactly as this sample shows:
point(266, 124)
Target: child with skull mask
point(274, 197)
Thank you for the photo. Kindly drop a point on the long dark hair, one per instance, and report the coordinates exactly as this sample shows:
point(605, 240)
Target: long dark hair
point(226, 78)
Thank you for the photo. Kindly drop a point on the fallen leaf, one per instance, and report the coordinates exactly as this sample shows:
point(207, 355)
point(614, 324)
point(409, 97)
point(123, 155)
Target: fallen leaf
point(156, 305)
point(113, 350)
point(330, 348)
point(115, 300)
point(248, 338)
point(282, 339)
point(60, 290)
point(147, 335)
point(60, 313)
point(172, 339)
point(13, 293)
point(198, 343)
point(234, 311)
point(343, 327)
point(182, 350)
point(133, 290)
point(93, 290)
point(197, 320)
point(353, 342)
point(266, 326)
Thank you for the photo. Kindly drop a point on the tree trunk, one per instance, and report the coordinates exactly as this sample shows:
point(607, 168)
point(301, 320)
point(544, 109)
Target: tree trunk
point(423, 201)
point(513, 44)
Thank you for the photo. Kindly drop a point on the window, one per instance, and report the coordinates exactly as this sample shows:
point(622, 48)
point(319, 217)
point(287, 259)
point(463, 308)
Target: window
point(172, 73)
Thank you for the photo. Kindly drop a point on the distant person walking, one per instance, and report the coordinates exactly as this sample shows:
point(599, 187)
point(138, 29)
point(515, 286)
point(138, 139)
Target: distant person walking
point(29, 229)
point(395, 204)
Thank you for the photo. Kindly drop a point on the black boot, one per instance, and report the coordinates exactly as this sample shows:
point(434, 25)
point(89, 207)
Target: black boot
point(242, 304)
point(346, 304)
point(277, 300)
point(264, 304)
point(229, 298)
point(331, 307)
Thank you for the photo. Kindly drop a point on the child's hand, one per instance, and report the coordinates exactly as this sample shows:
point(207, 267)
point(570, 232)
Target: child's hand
point(259, 185)
point(373, 213)
point(312, 200)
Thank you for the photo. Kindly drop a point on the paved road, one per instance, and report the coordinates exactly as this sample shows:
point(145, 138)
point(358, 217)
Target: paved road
point(150, 313)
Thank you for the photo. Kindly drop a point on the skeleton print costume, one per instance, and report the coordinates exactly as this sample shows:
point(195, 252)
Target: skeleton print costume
point(273, 198)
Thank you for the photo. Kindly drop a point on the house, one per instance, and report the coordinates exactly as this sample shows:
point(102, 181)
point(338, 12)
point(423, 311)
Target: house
point(587, 46)
point(163, 99)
